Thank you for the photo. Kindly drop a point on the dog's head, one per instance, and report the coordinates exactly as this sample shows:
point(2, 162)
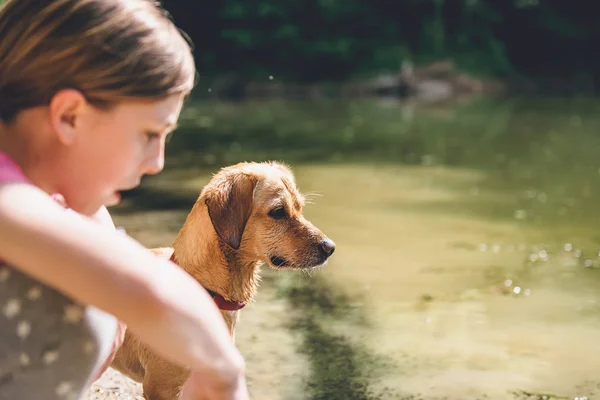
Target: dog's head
point(256, 210)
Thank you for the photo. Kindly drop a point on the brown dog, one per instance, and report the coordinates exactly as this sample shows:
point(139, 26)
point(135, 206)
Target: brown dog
point(247, 215)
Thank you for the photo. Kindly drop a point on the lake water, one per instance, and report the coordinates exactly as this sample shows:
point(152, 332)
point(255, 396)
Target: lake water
point(467, 262)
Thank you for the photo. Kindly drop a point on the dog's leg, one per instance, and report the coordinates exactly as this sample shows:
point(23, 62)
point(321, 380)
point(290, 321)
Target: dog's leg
point(164, 381)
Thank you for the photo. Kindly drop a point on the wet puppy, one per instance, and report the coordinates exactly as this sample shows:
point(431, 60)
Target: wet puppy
point(248, 215)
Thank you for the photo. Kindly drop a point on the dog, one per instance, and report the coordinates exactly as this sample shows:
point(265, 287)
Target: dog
point(248, 215)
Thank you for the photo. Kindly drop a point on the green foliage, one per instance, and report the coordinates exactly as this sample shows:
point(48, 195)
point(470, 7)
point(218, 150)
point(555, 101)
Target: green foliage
point(335, 40)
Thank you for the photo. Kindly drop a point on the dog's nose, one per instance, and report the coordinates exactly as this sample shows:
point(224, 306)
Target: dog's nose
point(327, 247)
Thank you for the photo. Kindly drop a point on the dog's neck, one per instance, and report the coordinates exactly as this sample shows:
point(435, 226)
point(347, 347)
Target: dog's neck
point(216, 267)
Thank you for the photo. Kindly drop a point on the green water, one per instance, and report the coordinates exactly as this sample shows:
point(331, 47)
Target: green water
point(467, 239)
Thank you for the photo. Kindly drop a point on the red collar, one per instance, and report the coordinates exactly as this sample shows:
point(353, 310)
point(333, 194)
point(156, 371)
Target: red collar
point(221, 302)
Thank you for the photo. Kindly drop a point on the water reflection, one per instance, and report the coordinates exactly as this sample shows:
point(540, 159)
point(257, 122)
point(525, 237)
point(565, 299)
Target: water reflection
point(467, 243)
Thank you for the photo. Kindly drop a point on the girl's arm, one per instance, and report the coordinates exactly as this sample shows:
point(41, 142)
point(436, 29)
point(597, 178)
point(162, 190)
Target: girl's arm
point(157, 300)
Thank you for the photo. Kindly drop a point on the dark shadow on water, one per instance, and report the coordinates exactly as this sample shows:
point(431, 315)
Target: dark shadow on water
point(341, 368)
point(148, 198)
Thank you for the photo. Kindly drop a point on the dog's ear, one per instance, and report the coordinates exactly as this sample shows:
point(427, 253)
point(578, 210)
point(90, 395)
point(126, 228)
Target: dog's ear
point(229, 204)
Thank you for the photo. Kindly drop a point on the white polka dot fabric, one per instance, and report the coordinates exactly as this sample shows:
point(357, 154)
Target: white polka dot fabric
point(50, 347)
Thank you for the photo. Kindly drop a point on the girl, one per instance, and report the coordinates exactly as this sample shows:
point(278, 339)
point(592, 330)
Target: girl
point(89, 90)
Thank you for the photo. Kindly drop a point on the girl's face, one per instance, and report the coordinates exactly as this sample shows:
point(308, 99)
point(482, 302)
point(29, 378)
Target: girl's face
point(108, 152)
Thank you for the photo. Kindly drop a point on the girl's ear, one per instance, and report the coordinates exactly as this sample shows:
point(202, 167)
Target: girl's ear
point(66, 108)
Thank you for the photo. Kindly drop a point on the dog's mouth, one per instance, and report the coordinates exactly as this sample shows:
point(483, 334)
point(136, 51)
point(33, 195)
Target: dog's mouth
point(278, 261)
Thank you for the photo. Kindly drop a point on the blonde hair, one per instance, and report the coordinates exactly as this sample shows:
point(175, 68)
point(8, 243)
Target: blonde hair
point(110, 50)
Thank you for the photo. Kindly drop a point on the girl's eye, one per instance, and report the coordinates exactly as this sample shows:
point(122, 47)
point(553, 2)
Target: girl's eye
point(278, 213)
point(153, 135)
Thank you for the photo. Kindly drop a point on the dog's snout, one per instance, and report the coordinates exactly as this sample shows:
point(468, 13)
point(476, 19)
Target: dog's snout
point(327, 247)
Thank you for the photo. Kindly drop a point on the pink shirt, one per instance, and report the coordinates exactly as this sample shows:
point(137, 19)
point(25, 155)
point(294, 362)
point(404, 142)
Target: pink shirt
point(9, 170)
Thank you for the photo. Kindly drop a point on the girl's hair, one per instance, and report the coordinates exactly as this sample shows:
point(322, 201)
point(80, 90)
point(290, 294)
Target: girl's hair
point(110, 50)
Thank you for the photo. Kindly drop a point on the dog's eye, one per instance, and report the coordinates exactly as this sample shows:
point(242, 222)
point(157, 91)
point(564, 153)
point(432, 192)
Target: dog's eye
point(278, 213)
